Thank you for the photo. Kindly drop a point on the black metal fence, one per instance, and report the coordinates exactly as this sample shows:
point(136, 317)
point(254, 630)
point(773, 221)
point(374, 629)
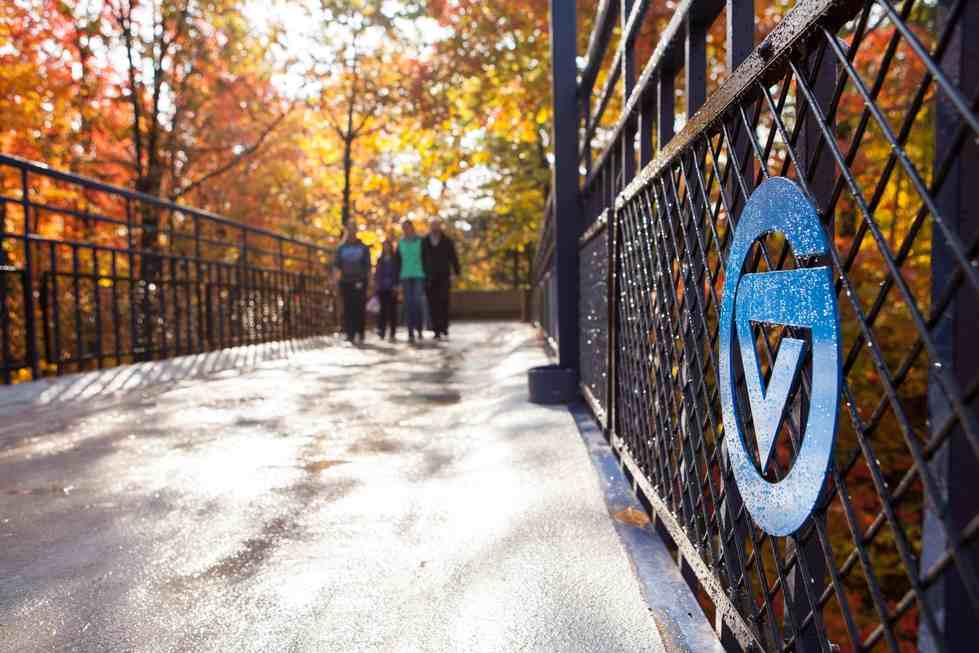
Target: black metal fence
point(870, 106)
point(93, 275)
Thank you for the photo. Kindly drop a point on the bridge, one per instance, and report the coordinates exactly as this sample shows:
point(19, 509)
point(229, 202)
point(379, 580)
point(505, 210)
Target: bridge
point(192, 461)
point(318, 498)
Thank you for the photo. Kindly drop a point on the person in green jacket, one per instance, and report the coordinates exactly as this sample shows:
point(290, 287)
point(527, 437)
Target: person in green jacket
point(412, 276)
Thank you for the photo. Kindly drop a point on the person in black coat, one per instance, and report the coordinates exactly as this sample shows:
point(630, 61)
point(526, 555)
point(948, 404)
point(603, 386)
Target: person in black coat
point(440, 261)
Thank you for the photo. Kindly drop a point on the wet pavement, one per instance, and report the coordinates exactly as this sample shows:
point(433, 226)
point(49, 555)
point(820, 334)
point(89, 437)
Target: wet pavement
point(381, 498)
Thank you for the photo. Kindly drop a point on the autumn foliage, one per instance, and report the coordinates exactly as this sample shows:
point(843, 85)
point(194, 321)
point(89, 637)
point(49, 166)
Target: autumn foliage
point(295, 116)
point(301, 116)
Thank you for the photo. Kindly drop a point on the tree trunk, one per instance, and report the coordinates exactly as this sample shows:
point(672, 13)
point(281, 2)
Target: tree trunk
point(348, 145)
point(347, 165)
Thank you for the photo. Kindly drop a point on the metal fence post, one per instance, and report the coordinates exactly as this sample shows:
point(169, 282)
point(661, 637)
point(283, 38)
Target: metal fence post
point(28, 277)
point(566, 201)
point(665, 107)
point(4, 319)
point(628, 84)
point(952, 465)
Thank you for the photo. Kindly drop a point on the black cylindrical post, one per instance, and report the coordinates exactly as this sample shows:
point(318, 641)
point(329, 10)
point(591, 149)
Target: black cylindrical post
point(565, 137)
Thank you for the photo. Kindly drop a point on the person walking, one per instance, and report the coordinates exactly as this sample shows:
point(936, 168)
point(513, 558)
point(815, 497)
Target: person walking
point(440, 261)
point(412, 276)
point(386, 274)
point(353, 266)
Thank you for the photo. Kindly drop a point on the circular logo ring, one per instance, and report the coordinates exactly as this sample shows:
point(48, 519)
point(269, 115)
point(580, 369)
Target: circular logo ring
point(803, 298)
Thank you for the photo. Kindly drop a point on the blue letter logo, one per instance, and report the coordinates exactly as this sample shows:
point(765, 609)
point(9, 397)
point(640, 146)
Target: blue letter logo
point(803, 298)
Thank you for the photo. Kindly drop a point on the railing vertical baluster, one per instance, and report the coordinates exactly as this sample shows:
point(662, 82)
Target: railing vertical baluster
point(695, 64)
point(299, 316)
point(30, 319)
point(4, 317)
point(302, 303)
point(820, 174)
point(290, 290)
point(96, 305)
point(190, 294)
point(275, 293)
point(204, 288)
point(55, 309)
point(695, 81)
point(254, 282)
point(628, 84)
point(163, 324)
point(740, 42)
point(586, 119)
point(133, 321)
point(221, 267)
point(241, 308)
point(45, 318)
point(261, 299)
point(740, 31)
point(199, 284)
point(234, 305)
point(116, 334)
point(285, 311)
point(244, 293)
point(647, 124)
point(665, 104)
point(613, 170)
point(175, 298)
point(277, 307)
point(281, 293)
point(232, 275)
point(189, 311)
point(258, 279)
point(268, 331)
point(603, 178)
point(238, 305)
point(278, 304)
point(76, 289)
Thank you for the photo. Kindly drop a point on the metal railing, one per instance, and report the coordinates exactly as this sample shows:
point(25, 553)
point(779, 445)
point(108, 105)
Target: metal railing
point(870, 107)
point(92, 276)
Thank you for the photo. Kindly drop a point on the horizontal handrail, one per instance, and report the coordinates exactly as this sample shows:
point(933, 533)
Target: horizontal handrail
point(93, 184)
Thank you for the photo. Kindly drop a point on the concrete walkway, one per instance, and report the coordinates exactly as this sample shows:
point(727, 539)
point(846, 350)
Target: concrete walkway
point(382, 498)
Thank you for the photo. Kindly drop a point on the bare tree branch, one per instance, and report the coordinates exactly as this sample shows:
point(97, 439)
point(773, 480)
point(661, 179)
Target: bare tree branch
point(234, 161)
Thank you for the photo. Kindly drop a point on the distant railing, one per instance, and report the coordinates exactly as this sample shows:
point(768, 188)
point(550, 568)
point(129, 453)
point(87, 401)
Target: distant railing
point(870, 107)
point(92, 276)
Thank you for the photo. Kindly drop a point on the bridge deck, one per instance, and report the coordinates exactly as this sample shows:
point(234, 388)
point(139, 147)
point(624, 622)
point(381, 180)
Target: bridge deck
point(381, 498)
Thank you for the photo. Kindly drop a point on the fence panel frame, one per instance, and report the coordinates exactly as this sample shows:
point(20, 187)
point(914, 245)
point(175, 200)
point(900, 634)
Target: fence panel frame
point(803, 49)
point(168, 313)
